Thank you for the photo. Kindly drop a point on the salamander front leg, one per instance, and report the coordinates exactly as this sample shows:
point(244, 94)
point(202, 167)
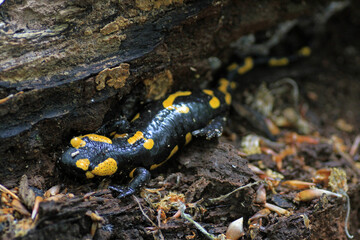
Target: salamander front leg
point(255, 118)
point(118, 125)
point(141, 177)
point(213, 129)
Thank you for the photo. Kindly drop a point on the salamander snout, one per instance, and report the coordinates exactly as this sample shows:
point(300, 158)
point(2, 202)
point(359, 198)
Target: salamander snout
point(88, 162)
point(71, 161)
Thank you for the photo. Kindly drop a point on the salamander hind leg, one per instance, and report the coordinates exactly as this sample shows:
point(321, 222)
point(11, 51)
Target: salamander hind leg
point(214, 128)
point(141, 177)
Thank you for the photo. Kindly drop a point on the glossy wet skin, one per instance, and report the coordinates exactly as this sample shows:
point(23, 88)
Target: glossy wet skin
point(90, 155)
point(155, 135)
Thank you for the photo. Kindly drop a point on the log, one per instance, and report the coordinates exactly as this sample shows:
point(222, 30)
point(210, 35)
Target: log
point(64, 64)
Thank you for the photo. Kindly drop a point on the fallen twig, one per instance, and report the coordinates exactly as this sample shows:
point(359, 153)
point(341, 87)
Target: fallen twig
point(222, 197)
point(147, 217)
point(5, 190)
point(342, 192)
point(197, 225)
point(354, 148)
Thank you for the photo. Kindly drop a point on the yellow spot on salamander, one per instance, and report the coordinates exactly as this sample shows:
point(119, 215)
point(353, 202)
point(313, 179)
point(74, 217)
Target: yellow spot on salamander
point(148, 144)
point(188, 138)
point(77, 142)
point(168, 103)
point(304, 51)
point(214, 101)
point(123, 135)
point(106, 168)
point(182, 109)
point(131, 174)
point(83, 164)
point(152, 167)
point(135, 117)
point(224, 84)
point(175, 149)
point(98, 138)
point(232, 67)
point(276, 62)
point(248, 65)
point(89, 175)
point(137, 136)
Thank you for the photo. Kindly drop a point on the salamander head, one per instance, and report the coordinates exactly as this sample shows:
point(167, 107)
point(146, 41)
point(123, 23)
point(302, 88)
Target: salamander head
point(89, 156)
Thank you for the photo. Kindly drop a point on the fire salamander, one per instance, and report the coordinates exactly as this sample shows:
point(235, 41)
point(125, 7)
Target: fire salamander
point(155, 134)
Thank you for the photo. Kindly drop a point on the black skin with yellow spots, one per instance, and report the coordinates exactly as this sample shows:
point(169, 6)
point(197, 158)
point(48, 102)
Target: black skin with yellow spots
point(152, 138)
point(157, 132)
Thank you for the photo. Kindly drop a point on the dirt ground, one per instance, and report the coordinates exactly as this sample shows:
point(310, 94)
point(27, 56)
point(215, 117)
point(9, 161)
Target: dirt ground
point(328, 100)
